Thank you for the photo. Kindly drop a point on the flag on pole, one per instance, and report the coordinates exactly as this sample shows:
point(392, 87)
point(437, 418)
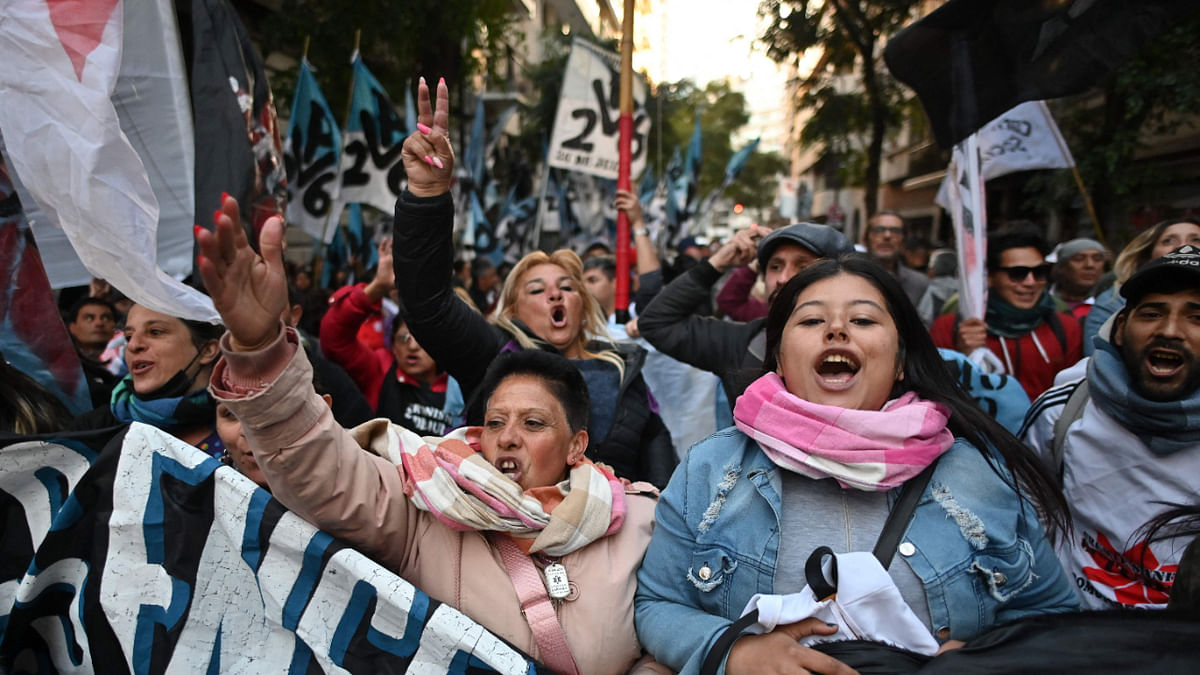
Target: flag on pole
point(311, 154)
point(586, 124)
point(970, 60)
point(238, 149)
point(968, 211)
point(32, 335)
point(1022, 139)
point(684, 185)
point(61, 63)
point(739, 159)
point(371, 171)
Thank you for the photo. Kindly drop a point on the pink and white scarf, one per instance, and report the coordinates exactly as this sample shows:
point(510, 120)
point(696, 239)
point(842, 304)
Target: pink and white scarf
point(869, 450)
point(449, 478)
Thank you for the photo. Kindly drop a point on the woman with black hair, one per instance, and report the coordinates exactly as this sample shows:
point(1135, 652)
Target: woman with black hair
point(855, 412)
point(170, 360)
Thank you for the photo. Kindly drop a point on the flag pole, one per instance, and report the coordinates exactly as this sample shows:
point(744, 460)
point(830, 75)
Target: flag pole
point(624, 149)
point(1087, 203)
point(304, 53)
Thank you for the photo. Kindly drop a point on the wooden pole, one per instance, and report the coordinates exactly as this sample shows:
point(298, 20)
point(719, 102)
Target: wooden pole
point(304, 54)
point(624, 147)
point(1087, 203)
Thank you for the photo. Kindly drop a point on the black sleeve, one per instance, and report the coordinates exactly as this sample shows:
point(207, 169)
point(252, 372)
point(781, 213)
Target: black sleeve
point(649, 285)
point(707, 343)
point(658, 453)
point(457, 337)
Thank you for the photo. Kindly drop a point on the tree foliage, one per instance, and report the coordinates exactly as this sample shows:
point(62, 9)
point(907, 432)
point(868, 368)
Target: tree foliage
point(400, 41)
point(1156, 94)
point(853, 100)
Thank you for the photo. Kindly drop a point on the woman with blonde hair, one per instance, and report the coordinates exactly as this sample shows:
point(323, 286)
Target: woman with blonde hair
point(543, 305)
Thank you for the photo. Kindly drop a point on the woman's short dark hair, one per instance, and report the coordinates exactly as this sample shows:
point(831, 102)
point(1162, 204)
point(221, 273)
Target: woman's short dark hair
point(926, 373)
point(561, 377)
point(203, 332)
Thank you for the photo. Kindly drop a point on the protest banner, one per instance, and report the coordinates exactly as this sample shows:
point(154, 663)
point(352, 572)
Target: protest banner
point(586, 124)
point(371, 170)
point(311, 154)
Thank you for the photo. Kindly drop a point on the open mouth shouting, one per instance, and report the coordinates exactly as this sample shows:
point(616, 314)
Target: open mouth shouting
point(140, 367)
point(558, 316)
point(1163, 363)
point(836, 370)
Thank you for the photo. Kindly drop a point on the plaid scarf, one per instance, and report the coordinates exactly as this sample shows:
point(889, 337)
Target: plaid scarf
point(449, 478)
point(871, 450)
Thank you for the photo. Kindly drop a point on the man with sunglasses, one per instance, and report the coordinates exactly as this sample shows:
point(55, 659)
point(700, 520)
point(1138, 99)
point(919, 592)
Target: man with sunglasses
point(1023, 326)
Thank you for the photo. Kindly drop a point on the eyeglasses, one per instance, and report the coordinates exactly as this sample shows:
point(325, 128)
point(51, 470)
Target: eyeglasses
point(403, 338)
point(886, 229)
point(1019, 273)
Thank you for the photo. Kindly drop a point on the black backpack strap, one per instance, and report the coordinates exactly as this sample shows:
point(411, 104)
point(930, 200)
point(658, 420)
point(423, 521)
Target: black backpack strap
point(712, 662)
point(885, 550)
point(900, 515)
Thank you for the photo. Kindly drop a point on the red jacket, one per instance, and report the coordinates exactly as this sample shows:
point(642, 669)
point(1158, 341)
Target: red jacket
point(1022, 356)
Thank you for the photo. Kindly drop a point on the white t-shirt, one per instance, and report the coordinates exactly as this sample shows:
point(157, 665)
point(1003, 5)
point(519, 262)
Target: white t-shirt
point(1113, 484)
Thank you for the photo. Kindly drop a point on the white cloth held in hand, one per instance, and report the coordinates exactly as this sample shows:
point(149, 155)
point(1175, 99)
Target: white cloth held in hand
point(987, 361)
point(866, 606)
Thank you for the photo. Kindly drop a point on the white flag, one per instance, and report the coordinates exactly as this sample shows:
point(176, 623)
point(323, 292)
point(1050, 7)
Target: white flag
point(61, 61)
point(968, 210)
point(585, 127)
point(1022, 139)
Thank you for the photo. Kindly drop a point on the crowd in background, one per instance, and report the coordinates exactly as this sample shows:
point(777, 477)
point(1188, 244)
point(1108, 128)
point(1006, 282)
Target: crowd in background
point(772, 394)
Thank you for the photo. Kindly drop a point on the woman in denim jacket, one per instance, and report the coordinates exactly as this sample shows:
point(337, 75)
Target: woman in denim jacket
point(855, 401)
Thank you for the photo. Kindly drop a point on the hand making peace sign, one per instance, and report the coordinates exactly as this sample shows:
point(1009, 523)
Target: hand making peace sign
point(428, 157)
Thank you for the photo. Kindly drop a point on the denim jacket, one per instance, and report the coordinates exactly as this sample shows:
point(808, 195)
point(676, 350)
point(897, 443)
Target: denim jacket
point(983, 557)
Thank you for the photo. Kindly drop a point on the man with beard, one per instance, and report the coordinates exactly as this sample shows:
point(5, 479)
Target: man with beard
point(1125, 440)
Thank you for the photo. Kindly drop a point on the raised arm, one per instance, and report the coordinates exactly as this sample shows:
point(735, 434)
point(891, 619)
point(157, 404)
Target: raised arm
point(313, 465)
point(457, 337)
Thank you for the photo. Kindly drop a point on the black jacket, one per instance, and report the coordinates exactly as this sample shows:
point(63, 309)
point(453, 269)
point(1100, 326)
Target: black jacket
point(731, 349)
point(638, 445)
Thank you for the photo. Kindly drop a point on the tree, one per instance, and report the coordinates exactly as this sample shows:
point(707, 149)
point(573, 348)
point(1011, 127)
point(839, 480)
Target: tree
point(1156, 94)
point(400, 41)
point(852, 123)
point(757, 185)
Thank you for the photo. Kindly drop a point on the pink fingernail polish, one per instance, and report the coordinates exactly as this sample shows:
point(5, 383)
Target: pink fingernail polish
point(428, 160)
point(437, 161)
point(423, 129)
point(441, 80)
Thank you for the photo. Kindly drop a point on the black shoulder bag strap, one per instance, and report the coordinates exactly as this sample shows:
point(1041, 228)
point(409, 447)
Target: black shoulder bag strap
point(885, 549)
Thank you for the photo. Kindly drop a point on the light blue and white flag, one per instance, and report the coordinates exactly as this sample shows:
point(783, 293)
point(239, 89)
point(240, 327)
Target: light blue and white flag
point(311, 155)
point(372, 172)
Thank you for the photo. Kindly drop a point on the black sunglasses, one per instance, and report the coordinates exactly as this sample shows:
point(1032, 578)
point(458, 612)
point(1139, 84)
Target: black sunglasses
point(1018, 273)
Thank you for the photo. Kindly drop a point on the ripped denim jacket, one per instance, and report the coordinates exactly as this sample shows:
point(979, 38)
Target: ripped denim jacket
point(982, 557)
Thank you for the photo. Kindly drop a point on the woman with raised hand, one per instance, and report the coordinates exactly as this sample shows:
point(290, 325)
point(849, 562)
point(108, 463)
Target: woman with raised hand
point(854, 410)
point(507, 522)
point(543, 305)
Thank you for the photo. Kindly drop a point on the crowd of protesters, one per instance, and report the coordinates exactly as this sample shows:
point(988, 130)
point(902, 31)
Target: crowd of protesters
point(777, 399)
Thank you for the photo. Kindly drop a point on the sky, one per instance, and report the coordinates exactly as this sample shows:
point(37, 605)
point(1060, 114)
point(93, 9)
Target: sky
point(707, 40)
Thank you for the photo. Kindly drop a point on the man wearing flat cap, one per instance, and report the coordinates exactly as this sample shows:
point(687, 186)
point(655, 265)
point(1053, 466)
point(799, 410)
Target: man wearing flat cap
point(733, 350)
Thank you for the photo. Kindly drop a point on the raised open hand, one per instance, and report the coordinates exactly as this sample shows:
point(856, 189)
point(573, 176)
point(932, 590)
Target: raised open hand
point(249, 290)
point(385, 274)
point(428, 157)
